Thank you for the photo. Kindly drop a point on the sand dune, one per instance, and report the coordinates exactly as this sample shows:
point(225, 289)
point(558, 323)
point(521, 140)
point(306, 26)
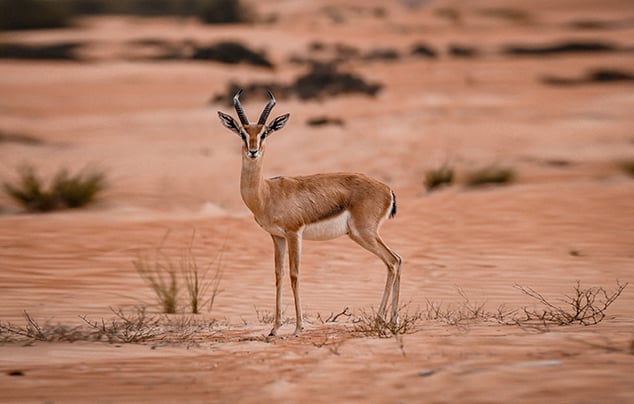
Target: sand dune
point(172, 170)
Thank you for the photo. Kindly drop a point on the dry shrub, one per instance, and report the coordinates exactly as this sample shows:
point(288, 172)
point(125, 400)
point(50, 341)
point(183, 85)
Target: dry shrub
point(127, 328)
point(371, 324)
point(466, 312)
point(585, 306)
point(133, 327)
point(332, 318)
point(34, 331)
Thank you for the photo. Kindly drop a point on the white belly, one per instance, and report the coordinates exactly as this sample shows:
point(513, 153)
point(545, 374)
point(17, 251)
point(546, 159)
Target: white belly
point(327, 229)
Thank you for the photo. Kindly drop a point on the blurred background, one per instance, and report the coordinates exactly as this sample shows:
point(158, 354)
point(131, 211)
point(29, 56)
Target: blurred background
point(127, 91)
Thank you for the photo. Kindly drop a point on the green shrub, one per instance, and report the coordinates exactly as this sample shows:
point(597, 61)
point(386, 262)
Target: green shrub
point(66, 191)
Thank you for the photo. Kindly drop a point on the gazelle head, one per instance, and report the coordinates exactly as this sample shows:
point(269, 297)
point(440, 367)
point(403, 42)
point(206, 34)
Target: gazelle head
point(253, 134)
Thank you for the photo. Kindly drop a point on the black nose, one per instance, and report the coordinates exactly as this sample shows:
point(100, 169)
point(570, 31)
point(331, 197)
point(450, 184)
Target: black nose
point(252, 153)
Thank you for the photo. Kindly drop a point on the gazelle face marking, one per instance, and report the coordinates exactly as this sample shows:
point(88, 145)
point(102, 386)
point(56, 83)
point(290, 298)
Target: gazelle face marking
point(253, 138)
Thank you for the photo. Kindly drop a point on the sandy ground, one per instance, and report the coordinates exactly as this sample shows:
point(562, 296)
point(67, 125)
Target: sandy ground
point(173, 170)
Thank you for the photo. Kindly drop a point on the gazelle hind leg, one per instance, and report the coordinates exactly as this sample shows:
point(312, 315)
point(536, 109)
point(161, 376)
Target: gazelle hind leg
point(396, 288)
point(372, 242)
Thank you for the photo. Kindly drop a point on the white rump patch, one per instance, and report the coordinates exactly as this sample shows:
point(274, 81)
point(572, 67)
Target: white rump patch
point(328, 229)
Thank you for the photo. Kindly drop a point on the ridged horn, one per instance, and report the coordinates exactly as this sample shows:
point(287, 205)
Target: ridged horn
point(267, 109)
point(239, 110)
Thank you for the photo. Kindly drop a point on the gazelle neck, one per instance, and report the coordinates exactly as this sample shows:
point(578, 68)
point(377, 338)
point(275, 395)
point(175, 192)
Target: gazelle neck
point(252, 182)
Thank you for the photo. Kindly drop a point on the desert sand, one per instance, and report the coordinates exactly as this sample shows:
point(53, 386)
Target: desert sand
point(172, 169)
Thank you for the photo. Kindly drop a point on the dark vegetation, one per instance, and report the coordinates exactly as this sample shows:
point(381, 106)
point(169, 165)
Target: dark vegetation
point(129, 327)
point(324, 120)
point(382, 54)
point(65, 191)
point(570, 47)
point(602, 24)
point(462, 51)
point(231, 53)
point(584, 306)
point(40, 14)
point(595, 76)
point(490, 175)
point(15, 137)
point(321, 80)
point(34, 14)
point(327, 80)
point(58, 51)
point(438, 177)
point(423, 50)
point(513, 15)
point(628, 167)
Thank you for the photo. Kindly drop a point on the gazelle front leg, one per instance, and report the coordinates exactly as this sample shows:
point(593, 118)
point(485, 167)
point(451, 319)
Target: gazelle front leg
point(294, 241)
point(280, 250)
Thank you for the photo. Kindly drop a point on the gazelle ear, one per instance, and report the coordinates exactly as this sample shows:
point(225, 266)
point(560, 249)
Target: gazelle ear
point(278, 123)
point(228, 122)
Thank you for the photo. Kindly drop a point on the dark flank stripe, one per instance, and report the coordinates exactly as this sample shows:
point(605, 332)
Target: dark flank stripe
point(334, 212)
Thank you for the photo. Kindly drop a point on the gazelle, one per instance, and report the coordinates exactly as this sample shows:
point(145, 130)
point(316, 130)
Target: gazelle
point(314, 207)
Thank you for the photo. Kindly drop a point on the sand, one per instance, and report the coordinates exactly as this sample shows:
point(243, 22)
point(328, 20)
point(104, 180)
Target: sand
point(173, 172)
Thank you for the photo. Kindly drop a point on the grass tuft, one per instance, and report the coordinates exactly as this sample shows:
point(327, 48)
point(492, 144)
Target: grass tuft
point(196, 280)
point(165, 278)
point(161, 276)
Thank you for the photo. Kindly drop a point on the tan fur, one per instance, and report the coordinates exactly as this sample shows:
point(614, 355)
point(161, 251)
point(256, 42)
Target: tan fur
point(323, 205)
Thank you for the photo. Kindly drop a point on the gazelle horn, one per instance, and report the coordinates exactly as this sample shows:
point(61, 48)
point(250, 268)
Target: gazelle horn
point(267, 109)
point(239, 110)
